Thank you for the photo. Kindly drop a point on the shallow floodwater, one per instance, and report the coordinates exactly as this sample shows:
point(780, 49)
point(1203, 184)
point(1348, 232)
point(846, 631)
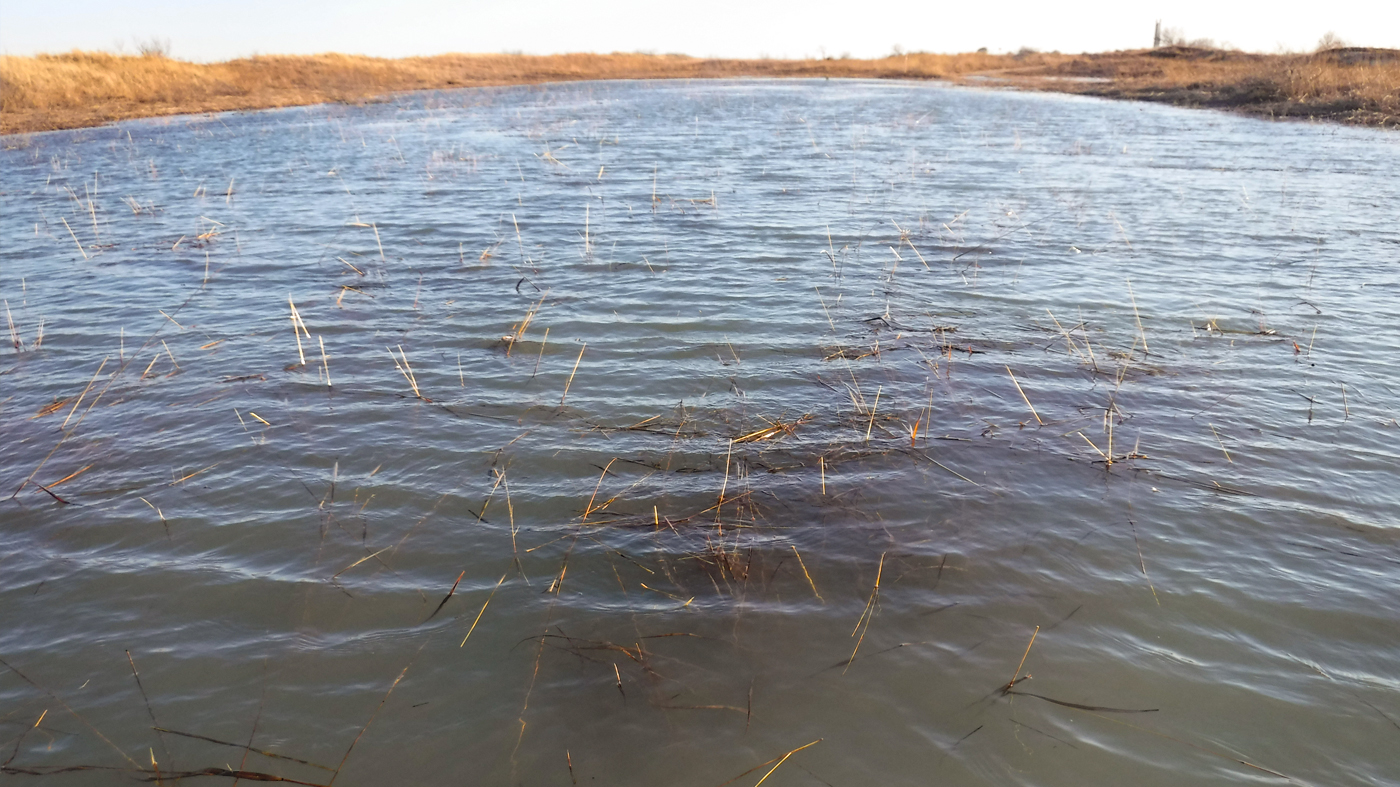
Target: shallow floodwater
point(748, 415)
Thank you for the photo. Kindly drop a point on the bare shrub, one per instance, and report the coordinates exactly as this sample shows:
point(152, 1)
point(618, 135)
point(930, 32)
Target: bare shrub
point(1330, 40)
point(154, 47)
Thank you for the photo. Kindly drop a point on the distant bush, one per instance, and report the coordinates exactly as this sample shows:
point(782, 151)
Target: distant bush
point(1330, 40)
point(154, 47)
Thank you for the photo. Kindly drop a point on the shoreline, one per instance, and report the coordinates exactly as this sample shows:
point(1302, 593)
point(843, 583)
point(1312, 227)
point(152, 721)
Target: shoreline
point(1351, 86)
point(1354, 86)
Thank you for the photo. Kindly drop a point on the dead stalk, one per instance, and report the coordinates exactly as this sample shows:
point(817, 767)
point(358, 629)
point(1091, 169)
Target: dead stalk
point(406, 371)
point(81, 250)
point(570, 381)
point(871, 425)
point(325, 360)
point(1024, 397)
point(1017, 676)
point(296, 329)
point(1138, 316)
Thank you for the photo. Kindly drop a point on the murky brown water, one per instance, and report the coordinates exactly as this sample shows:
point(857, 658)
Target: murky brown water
point(898, 330)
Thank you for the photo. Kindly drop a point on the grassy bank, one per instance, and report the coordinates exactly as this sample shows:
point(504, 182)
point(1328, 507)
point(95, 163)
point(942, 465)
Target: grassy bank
point(89, 88)
point(82, 89)
point(1349, 85)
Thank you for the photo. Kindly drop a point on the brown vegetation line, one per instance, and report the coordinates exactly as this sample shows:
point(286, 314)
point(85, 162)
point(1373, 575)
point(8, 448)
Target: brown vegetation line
point(82, 89)
point(89, 88)
point(1349, 84)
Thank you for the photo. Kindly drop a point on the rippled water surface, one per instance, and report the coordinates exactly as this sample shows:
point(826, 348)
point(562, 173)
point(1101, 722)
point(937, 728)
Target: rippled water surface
point(643, 433)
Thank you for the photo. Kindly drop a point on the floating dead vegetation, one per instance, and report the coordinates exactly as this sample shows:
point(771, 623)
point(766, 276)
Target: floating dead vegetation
point(50, 408)
point(772, 430)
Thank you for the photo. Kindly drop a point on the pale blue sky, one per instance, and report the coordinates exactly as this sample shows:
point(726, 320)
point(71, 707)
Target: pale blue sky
point(222, 29)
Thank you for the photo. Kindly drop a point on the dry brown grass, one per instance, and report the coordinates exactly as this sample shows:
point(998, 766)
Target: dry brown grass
point(90, 88)
point(1351, 85)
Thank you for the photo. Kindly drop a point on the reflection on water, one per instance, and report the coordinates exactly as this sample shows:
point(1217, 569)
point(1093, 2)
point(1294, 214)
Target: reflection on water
point(643, 433)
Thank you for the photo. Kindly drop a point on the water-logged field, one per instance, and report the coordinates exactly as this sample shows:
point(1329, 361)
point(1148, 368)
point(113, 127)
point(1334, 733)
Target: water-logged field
point(645, 433)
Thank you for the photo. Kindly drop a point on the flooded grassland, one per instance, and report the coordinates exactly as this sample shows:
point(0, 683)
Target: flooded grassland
point(828, 432)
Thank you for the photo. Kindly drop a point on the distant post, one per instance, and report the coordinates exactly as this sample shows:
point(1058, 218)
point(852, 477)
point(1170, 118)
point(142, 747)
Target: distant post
point(1157, 35)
